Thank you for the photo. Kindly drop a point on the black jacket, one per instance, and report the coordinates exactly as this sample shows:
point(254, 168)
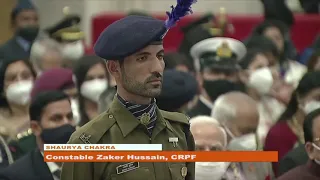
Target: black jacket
point(29, 167)
point(12, 49)
point(294, 158)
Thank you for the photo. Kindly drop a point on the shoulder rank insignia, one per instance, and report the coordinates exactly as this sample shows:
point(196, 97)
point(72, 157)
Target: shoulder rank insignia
point(224, 50)
point(24, 134)
point(85, 138)
point(145, 119)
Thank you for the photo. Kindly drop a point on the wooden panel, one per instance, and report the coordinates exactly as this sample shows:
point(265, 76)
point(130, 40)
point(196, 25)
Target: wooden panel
point(5, 10)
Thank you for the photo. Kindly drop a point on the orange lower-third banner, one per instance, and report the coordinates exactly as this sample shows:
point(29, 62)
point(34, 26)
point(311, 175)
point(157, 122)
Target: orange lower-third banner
point(161, 156)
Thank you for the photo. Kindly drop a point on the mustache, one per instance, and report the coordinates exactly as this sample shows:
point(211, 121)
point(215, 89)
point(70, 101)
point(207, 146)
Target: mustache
point(154, 76)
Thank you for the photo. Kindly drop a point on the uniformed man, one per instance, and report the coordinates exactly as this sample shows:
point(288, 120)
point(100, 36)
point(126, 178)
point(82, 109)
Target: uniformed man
point(24, 22)
point(52, 123)
point(68, 33)
point(216, 61)
point(133, 49)
point(195, 32)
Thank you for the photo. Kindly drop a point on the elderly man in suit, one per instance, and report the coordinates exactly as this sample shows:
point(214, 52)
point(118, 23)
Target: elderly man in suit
point(24, 21)
point(237, 113)
point(311, 169)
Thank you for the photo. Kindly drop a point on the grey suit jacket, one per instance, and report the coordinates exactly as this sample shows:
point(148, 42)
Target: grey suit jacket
point(254, 170)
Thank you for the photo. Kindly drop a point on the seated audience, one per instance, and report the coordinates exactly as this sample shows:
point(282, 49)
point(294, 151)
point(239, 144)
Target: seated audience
point(16, 81)
point(265, 45)
point(216, 63)
point(178, 91)
point(237, 113)
point(46, 54)
point(58, 79)
point(297, 156)
point(51, 122)
point(260, 79)
point(208, 136)
point(287, 133)
point(311, 169)
point(290, 70)
point(91, 77)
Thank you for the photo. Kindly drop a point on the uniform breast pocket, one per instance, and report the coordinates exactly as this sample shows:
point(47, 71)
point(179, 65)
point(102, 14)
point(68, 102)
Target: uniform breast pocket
point(142, 173)
point(178, 171)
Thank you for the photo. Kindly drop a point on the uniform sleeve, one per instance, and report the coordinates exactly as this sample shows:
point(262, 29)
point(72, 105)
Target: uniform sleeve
point(77, 171)
point(191, 147)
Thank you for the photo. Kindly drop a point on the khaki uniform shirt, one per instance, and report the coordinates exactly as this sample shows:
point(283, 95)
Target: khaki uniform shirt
point(119, 126)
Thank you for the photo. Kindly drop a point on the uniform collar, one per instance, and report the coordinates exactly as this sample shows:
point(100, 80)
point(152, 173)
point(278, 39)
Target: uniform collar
point(53, 167)
point(23, 43)
point(127, 122)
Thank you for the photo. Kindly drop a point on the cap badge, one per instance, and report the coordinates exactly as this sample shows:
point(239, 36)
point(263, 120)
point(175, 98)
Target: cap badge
point(224, 51)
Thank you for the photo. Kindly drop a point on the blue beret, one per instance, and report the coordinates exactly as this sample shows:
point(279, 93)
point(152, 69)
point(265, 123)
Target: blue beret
point(21, 5)
point(178, 88)
point(128, 35)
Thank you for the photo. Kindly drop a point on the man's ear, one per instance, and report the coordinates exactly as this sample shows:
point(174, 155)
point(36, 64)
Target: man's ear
point(113, 68)
point(36, 129)
point(310, 150)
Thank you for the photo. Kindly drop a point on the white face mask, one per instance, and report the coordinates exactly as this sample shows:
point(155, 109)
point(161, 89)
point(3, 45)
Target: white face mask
point(93, 89)
point(311, 106)
point(19, 92)
point(73, 51)
point(210, 170)
point(261, 80)
point(75, 111)
point(244, 143)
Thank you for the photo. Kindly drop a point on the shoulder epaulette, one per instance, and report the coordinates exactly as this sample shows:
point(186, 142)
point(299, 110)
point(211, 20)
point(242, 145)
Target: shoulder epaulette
point(24, 134)
point(175, 116)
point(90, 133)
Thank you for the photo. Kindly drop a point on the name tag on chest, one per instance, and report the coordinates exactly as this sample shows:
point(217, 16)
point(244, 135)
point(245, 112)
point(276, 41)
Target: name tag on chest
point(127, 167)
